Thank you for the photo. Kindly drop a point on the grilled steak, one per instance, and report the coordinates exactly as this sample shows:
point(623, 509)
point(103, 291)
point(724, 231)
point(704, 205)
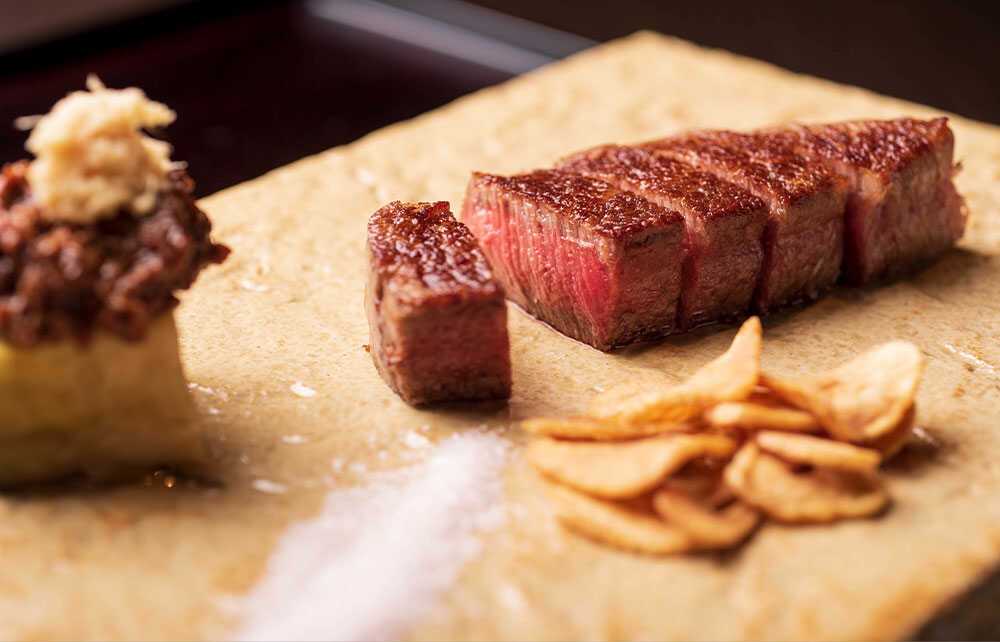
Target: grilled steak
point(437, 316)
point(803, 241)
point(598, 264)
point(903, 208)
point(724, 226)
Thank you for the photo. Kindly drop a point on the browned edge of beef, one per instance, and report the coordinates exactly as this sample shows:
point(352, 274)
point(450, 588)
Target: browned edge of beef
point(803, 241)
point(724, 226)
point(437, 316)
point(903, 208)
point(598, 264)
point(64, 281)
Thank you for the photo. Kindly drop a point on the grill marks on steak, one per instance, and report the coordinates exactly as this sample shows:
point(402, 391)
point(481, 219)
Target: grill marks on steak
point(724, 225)
point(597, 263)
point(803, 240)
point(903, 208)
point(437, 316)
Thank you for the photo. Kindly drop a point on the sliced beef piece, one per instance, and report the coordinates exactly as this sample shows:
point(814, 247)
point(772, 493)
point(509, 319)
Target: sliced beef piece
point(438, 318)
point(903, 208)
point(803, 241)
point(596, 263)
point(724, 226)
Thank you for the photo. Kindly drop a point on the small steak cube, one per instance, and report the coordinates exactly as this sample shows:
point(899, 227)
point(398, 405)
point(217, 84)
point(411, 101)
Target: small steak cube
point(903, 208)
point(598, 264)
point(724, 226)
point(803, 242)
point(438, 318)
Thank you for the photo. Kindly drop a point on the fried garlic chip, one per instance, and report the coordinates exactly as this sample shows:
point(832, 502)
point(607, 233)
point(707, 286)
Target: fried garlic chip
point(730, 377)
point(588, 428)
point(709, 528)
point(617, 470)
point(701, 481)
point(893, 441)
point(818, 451)
point(616, 524)
point(822, 495)
point(861, 399)
point(747, 415)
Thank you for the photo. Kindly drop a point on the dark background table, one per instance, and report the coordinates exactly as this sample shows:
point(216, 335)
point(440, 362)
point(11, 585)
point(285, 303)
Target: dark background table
point(258, 84)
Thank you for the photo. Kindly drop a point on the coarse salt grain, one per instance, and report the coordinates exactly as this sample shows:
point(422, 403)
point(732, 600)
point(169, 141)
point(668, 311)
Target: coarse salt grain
point(414, 439)
point(378, 556)
point(302, 390)
point(268, 486)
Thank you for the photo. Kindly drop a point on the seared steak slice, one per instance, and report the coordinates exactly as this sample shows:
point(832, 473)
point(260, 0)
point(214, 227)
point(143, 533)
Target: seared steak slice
point(437, 316)
point(803, 242)
point(723, 233)
point(903, 208)
point(596, 263)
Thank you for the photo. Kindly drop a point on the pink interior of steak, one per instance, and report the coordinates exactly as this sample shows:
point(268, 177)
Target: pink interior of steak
point(452, 351)
point(437, 315)
point(903, 207)
point(803, 242)
point(724, 225)
point(599, 265)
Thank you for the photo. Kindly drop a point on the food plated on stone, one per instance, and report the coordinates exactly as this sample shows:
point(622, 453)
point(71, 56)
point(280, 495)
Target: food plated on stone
point(353, 515)
point(621, 244)
point(97, 234)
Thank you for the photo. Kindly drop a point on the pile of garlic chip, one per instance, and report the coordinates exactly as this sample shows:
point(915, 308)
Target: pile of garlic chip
point(697, 465)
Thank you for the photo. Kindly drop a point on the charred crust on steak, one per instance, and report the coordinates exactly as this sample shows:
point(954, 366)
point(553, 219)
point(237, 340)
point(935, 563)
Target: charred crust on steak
point(882, 146)
point(644, 172)
point(63, 280)
point(760, 163)
point(424, 254)
point(592, 202)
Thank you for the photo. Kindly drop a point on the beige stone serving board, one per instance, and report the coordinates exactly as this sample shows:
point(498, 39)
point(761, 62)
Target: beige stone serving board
point(148, 561)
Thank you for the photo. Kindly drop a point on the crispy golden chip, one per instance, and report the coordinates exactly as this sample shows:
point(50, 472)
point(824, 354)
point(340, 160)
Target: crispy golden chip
point(822, 495)
point(730, 377)
point(616, 524)
point(893, 441)
point(861, 399)
point(709, 528)
point(589, 428)
point(764, 397)
point(618, 470)
point(818, 451)
point(754, 416)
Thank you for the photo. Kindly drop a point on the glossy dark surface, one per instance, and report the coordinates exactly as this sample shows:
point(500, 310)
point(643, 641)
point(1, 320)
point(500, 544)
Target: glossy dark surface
point(941, 53)
point(421, 251)
point(589, 201)
point(665, 180)
point(256, 85)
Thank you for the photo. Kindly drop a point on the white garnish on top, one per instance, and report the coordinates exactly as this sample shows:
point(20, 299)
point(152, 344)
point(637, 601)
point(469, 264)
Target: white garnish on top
point(302, 390)
point(92, 158)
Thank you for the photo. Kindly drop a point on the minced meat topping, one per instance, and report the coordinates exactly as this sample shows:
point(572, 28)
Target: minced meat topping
point(62, 280)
